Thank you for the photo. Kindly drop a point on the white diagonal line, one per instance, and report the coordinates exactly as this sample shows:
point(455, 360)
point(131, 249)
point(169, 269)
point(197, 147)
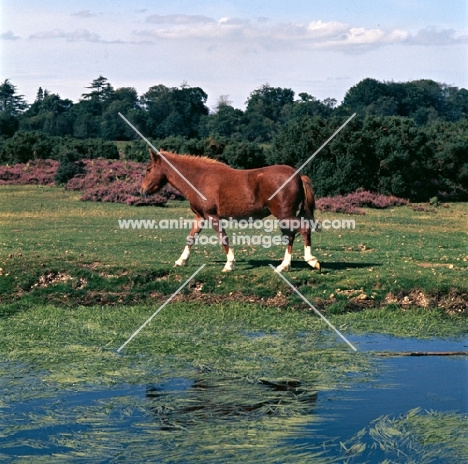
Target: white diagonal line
point(161, 155)
point(313, 156)
point(162, 306)
point(314, 308)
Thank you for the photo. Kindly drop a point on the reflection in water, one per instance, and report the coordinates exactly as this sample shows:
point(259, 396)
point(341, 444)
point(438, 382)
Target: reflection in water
point(207, 397)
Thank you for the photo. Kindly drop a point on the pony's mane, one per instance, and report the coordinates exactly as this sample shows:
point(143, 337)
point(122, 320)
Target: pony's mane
point(193, 158)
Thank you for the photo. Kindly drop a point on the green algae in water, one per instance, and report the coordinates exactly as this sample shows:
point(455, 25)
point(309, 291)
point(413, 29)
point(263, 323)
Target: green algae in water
point(248, 395)
point(415, 437)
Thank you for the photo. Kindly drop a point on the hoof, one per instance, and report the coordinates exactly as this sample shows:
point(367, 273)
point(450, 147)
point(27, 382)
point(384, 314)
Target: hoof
point(314, 264)
point(280, 268)
point(229, 266)
point(180, 263)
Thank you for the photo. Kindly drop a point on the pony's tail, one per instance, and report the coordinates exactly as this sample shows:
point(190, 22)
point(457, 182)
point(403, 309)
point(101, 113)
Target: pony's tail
point(308, 206)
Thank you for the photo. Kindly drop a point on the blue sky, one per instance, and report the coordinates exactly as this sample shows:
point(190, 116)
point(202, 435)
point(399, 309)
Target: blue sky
point(229, 47)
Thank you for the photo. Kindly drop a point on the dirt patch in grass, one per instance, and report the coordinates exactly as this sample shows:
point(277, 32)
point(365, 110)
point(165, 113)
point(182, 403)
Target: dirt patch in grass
point(452, 302)
point(108, 298)
point(196, 296)
point(54, 278)
point(445, 265)
point(361, 248)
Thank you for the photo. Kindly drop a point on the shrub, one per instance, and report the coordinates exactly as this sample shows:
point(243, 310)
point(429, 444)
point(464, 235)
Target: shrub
point(90, 148)
point(101, 180)
point(25, 146)
point(117, 182)
point(352, 202)
point(70, 166)
point(40, 172)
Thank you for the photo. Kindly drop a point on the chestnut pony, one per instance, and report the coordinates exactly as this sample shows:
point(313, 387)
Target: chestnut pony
point(237, 194)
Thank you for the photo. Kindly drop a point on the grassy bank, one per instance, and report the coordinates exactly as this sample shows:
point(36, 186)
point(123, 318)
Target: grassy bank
point(56, 249)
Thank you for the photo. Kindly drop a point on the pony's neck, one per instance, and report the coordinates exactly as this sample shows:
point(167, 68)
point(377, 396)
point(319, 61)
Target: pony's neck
point(179, 171)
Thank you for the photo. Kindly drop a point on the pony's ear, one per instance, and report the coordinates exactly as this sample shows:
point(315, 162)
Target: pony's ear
point(154, 156)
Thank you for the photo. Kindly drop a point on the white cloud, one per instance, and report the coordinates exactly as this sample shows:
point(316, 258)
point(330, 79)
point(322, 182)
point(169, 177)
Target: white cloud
point(256, 34)
point(179, 19)
point(314, 34)
point(84, 14)
point(9, 36)
point(82, 35)
point(78, 35)
point(226, 21)
point(433, 36)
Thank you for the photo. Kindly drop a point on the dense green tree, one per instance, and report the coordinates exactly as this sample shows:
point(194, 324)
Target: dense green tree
point(403, 153)
point(363, 94)
point(423, 100)
point(86, 123)
point(264, 112)
point(49, 113)
point(269, 101)
point(449, 160)
point(456, 103)
point(244, 155)
point(174, 111)
point(390, 155)
point(225, 121)
point(11, 106)
point(307, 105)
point(297, 140)
point(101, 90)
point(10, 102)
point(113, 127)
point(342, 166)
point(383, 106)
point(87, 113)
point(9, 124)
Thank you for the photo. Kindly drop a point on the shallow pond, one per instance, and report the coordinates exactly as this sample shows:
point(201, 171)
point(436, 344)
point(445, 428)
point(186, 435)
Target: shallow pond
point(403, 383)
point(395, 414)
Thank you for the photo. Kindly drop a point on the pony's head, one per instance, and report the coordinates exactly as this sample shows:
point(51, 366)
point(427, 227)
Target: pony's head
point(155, 177)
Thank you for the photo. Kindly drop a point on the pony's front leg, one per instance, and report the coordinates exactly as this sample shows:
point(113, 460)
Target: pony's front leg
point(286, 263)
point(182, 261)
point(224, 240)
point(195, 229)
point(231, 261)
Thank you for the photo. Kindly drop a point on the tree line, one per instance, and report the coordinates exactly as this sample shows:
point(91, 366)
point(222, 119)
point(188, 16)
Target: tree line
point(408, 139)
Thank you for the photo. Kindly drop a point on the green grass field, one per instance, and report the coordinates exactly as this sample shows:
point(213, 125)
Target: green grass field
point(74, 287)
point(56, 249)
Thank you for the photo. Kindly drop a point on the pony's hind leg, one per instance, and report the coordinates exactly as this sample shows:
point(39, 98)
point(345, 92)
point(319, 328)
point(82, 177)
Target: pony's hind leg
point(311, 260)
point(224, 240)
point(195, 229)
point(304, 228)
point(291, 234)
